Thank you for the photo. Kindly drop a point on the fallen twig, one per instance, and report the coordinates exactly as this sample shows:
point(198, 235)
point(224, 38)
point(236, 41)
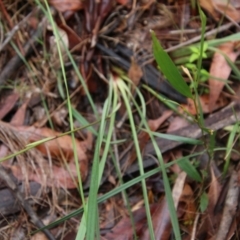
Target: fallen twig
point(25, 204)
point(15, 29)
point(151, 76)
point(230, 207)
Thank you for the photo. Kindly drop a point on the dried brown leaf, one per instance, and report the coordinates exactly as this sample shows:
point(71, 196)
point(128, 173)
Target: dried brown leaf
point(226, 8)
point(66, 5)
point(19, 116)
point(217, 8)
point(124, 231)
point(213, 193)
point(220, 69)
point(177, 123)
point(39, 236)
point(204, 101)
point(7, 104)
point(209, 6)
point(61, 176)
point(156, 123)
point(135, 72)
point(60, 147)
point(123, 2)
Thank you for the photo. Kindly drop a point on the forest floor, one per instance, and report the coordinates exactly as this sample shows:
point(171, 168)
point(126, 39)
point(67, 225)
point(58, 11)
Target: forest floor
point(119, 119)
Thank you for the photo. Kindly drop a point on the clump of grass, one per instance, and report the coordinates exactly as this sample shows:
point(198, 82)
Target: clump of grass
point(119, 93)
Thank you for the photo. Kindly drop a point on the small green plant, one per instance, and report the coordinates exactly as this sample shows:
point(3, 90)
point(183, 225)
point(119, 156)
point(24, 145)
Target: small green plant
point(204, 74)
point(196, 53)
point(169, 69)
point(192, 65)
point(203, 202)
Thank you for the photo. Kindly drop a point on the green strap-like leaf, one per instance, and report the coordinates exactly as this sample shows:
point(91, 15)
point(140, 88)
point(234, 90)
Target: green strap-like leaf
point(169, 69)
point(191, 171)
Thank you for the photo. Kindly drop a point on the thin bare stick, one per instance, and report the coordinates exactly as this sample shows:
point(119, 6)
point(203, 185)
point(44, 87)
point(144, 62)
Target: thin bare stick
point(16, 28)
point(198, 38)
point(25, 204)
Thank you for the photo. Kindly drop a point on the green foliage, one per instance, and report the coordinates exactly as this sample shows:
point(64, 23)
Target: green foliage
point(196, 53)
point(178, 138)
point(230, 143)
point(203, 202)
point(204, 74)
point(191, 171)
point(169, 69)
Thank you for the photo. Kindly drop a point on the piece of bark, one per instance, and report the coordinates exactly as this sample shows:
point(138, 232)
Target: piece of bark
point(9, 204)
point(24, 202)
point(226, 116)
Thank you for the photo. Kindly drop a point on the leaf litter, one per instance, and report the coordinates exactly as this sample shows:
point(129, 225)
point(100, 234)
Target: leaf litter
point(113, 37)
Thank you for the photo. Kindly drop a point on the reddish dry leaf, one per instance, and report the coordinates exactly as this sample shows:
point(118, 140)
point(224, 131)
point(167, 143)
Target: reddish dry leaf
point(62, 178)
point(66, 5)
point(217, 8)
point(124, 231)
point(177, 123)
point(60, 147)
point(19, 116)
point(208, 5)
point(228, 9)
point(213, 193)
point(17, 119)
point(204, 101)
point(70, 236)
point(33, 22)
point(57, 176)
point(135, 72)
point(176, 154)
point(220, 69)
point(178, 188)
point(123, 2)
point(39, 236)
point(7, 104)
point(3, 152)
point(156, 123)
